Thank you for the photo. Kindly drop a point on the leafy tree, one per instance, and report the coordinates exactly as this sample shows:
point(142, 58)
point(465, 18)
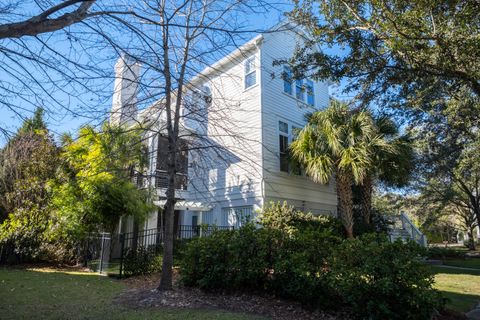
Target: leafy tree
point(450, 185)
point(95, 187)
point(391, 165)
point(418, 58)
point(338, 142)
point(420, 55)
point(28, 161)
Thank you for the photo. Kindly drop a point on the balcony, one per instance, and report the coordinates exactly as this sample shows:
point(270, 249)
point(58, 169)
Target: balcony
point(161, 180)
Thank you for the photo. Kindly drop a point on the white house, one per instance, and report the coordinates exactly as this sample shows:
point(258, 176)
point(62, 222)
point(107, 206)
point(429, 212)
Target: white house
point(248, 112)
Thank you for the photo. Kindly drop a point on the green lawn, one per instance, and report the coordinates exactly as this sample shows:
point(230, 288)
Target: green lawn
point(461, 287)
point(36, 294)
point(466, 263)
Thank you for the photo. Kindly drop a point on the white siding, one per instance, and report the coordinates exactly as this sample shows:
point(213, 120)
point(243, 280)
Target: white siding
point(231, 174)
point(279, 106)
point(243, 171)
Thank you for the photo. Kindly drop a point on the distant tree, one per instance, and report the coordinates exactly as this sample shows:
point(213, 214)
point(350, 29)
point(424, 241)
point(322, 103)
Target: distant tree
point(28, 161)
point(338, 142)
point(449, 184)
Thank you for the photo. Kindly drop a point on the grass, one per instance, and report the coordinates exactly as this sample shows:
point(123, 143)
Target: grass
point(50, 294)
point(461, 287)
point(473, 263)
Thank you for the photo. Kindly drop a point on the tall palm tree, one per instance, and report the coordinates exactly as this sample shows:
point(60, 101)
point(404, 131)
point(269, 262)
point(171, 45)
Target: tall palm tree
point(338, 142)
point(391, 164)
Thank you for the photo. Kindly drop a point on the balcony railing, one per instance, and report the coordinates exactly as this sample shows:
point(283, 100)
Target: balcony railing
point(161, 180)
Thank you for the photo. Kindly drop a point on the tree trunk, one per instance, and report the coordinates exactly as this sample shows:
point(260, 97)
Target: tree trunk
point(471, 240)
point(166, 281)
point(345, 202)
point(366, 200)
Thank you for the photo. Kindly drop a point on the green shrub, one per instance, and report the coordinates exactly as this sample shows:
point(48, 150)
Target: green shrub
point(228, 260)
point(179, 246)
point(261, 259)
point(142, 260)
point(302, 258)
point(445, 253)
point(250, 252)
point(286, 218)
point(378, 279)
point(205, 261)
point(299, 265)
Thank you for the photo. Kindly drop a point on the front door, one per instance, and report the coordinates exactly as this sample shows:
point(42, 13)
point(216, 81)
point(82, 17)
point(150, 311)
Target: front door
point(195, 227)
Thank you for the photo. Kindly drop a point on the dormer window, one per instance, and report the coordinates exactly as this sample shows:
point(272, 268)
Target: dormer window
point(250, 72)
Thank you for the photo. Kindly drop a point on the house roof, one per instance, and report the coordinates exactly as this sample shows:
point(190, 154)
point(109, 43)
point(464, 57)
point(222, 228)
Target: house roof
point(232, 57)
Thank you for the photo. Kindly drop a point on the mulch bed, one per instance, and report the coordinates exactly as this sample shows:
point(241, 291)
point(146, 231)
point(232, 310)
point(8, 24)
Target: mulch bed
point(142, 293)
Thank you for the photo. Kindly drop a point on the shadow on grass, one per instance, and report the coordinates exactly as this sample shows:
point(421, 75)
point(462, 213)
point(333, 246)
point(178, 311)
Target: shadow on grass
point(454, 270)
point(460, 302)
point(460, 286)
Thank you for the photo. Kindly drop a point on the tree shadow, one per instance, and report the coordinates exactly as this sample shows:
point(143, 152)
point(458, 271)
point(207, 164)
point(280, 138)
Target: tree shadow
point(455, 270)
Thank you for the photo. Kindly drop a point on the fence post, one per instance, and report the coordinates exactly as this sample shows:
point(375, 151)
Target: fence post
point(122, 248)
point(101, 253)
point(85, 252)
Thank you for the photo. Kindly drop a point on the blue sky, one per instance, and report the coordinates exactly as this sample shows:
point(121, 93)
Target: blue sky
point(62, 121)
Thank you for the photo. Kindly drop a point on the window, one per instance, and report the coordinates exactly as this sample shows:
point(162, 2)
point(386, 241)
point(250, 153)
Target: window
point(207, 217)
point(295, 167)
point(237, 216)
point(250, 72)
point(286, 133)
point(299, 89)
point(310, 93)
point(287, 80)
point(283, 145)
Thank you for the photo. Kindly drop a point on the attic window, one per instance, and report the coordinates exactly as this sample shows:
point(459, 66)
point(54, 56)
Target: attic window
point(250, 72)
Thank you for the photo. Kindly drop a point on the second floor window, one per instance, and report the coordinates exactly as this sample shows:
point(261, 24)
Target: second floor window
point(310, 92)
point(250, 72)
point(287, 80)
point(299, 89)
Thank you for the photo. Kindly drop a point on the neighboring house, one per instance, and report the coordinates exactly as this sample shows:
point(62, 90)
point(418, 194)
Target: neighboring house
point(247, 111)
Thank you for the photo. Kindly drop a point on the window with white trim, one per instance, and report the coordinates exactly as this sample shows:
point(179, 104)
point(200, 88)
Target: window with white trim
point(250, 72)
point(310, 92)
point(283, 137)
point(299, 89)
point(287, 80)
point(237, 216)
point(286, 134)
point(207, 217)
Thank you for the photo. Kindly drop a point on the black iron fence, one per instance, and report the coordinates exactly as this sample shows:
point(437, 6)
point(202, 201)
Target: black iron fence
point(105, 253)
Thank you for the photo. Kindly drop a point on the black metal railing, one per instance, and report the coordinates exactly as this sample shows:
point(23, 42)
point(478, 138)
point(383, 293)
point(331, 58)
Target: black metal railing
point(105, 253)
point(161, 180)
point(153, 236)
